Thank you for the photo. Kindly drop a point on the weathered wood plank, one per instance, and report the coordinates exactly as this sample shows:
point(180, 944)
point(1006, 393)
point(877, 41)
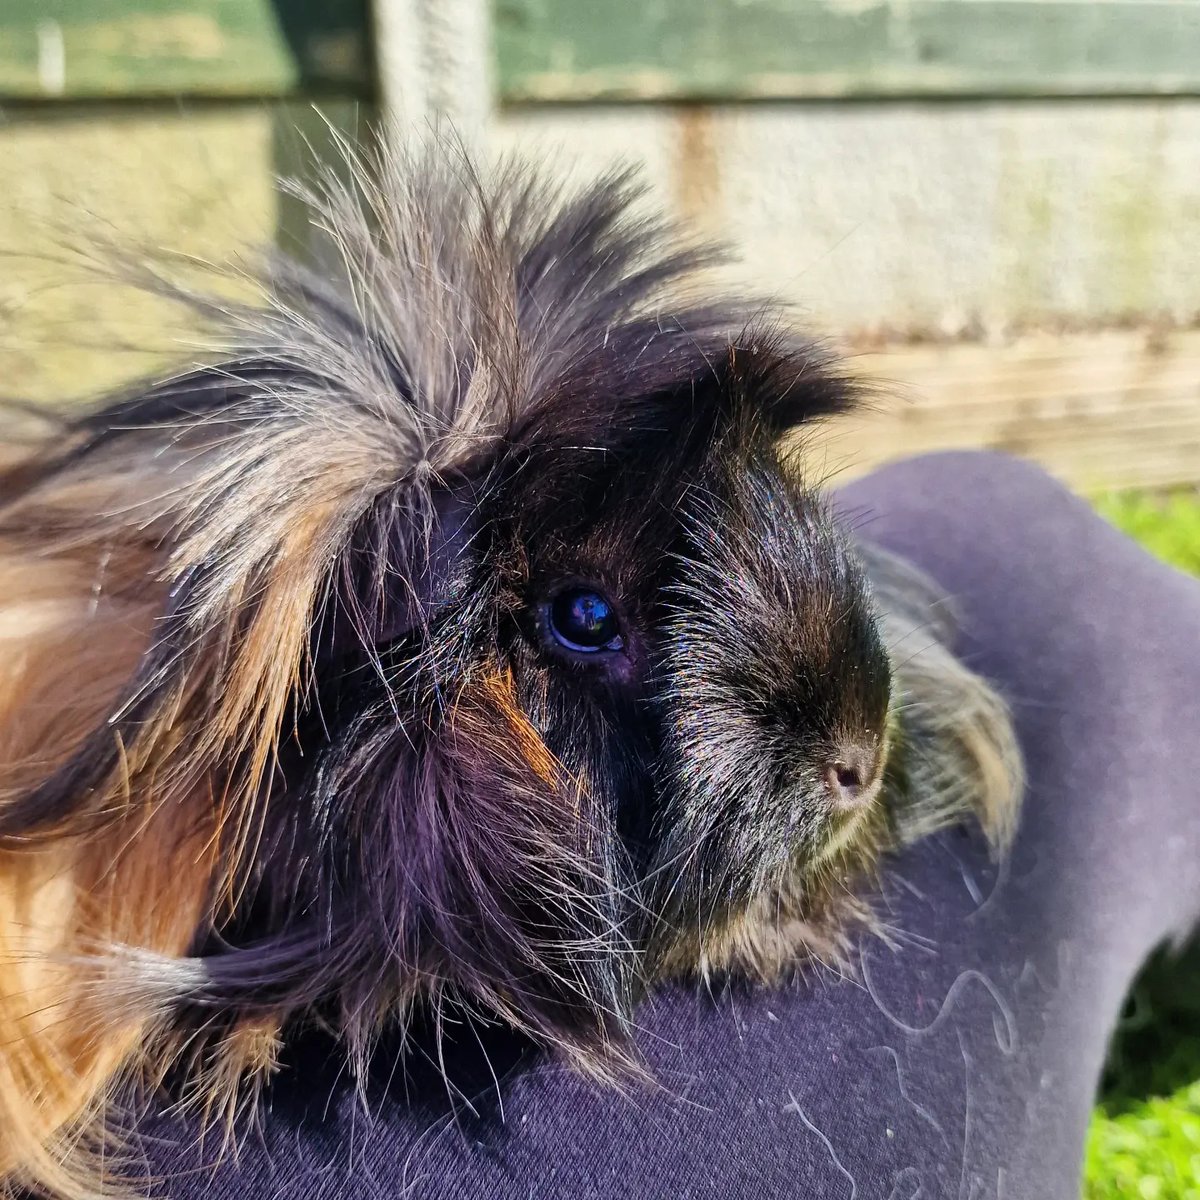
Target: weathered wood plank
point(1103, 409)
point(131, 48)
point(1099, 410)
point(741, 49)
point(905, 221)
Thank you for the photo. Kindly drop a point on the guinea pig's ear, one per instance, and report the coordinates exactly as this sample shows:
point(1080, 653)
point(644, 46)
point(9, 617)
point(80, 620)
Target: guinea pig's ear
point(669, 386)
point(778, 382)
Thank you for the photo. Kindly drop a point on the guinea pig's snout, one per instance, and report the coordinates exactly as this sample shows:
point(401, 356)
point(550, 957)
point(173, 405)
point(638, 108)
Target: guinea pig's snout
point(852, 776)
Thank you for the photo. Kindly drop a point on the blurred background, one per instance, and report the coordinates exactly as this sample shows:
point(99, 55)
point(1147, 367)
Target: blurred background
point(992, 205)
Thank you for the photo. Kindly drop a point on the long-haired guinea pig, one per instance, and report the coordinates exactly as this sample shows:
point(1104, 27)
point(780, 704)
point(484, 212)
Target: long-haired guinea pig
point(460, 635)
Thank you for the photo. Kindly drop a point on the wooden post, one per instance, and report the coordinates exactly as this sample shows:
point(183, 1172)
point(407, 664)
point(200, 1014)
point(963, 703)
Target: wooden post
point(435, 67)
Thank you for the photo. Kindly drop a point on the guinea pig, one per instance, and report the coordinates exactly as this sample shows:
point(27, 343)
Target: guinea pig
point(464, 632)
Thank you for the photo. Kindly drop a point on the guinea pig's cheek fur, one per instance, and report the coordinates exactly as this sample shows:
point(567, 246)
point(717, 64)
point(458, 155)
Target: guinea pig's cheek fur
point(755, 891)
point(497, 690)
point(521, 881)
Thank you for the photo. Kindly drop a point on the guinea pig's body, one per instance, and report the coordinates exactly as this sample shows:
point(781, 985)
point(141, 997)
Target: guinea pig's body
point(462, 637)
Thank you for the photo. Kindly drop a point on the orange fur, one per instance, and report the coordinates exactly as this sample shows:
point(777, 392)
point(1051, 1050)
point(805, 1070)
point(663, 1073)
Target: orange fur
point(78, 600)
point(500, 700)
point(66, 650)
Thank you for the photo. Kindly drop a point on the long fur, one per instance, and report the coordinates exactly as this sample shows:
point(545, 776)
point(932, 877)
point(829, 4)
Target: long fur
point(282, 734)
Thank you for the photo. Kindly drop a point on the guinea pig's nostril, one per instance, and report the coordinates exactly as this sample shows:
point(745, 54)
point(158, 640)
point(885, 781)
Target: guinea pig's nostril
point(850, 778)
point(844, 783)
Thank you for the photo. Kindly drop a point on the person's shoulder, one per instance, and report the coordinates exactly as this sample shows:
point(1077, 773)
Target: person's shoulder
point(961, 472)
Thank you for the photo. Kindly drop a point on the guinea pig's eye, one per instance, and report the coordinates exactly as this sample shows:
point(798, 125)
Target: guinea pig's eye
point(582, 620)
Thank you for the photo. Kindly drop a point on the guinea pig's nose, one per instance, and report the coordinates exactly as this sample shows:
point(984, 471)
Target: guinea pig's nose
point(851, 778)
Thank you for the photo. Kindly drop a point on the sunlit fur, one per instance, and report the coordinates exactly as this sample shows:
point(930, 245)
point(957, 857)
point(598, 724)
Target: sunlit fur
point(282, 734)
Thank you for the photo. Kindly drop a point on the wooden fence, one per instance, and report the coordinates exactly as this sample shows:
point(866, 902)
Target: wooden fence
point(993, 204)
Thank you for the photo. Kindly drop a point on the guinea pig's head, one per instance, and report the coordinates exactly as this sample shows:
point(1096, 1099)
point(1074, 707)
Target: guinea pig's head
point(504, 655)
point(688, 635)
point(604, 684)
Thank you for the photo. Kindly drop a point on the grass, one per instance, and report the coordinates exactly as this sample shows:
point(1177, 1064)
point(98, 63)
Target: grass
point(1167, 525)
point(1144, 1140)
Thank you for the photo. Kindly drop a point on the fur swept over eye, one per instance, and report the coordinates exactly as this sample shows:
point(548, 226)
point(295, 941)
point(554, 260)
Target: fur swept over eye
point(583, 621)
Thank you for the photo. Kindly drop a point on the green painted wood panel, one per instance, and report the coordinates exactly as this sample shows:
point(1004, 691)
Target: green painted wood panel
point(746, 49)
point(131, 48)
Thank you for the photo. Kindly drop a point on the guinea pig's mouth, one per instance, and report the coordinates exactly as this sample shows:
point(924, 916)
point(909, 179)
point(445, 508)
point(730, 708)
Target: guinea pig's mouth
point(847, 824)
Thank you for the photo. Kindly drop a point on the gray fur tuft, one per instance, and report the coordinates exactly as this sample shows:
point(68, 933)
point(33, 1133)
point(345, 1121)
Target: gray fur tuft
point(955, 748)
